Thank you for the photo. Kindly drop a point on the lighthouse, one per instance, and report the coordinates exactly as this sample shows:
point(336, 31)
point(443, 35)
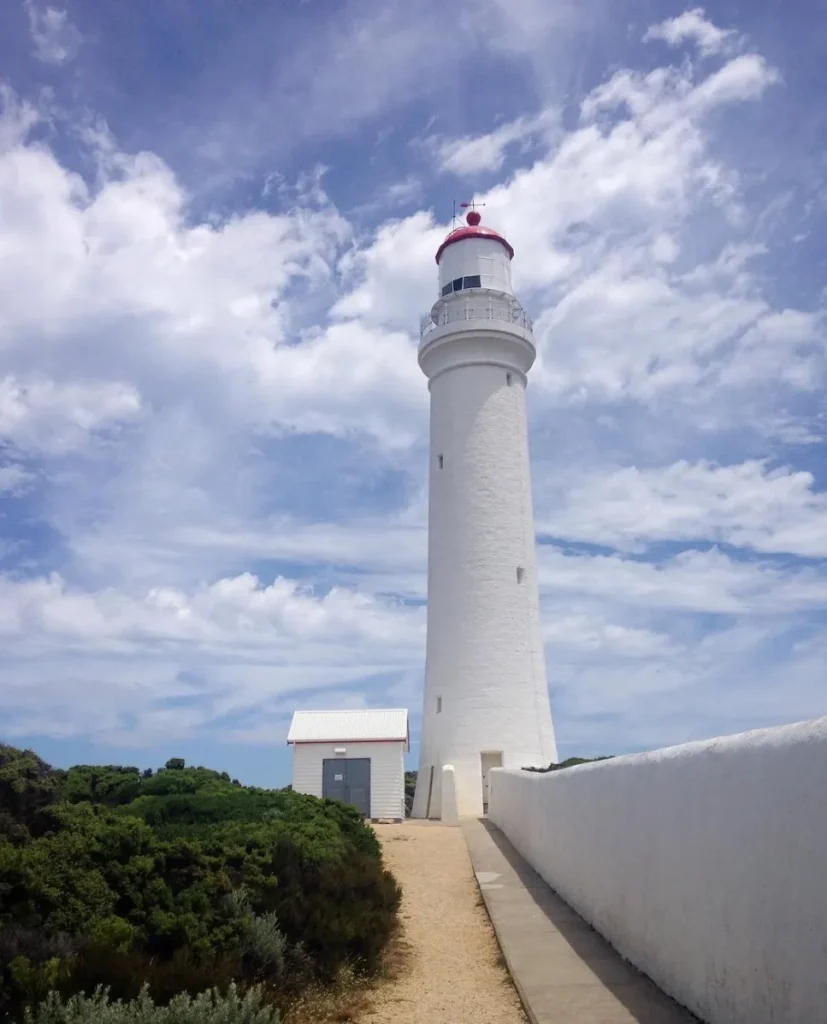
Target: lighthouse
point(486, 699)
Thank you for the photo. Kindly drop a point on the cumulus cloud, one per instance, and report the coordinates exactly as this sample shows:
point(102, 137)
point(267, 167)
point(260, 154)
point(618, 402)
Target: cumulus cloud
point(116, 278)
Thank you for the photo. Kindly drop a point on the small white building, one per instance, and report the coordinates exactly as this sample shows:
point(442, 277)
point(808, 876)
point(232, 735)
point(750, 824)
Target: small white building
point(356, 756)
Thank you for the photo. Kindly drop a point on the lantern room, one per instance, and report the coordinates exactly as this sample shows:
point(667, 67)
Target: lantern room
point(473, 256)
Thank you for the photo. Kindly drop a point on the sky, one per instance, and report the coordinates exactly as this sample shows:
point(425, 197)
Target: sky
point(217, 230)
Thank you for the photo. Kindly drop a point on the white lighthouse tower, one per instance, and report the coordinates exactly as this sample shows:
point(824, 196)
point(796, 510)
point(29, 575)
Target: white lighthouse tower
point(486, 697)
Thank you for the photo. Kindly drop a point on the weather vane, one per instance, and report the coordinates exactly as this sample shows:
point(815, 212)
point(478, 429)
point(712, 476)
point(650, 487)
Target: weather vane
point(472, 217)
point(472, 206)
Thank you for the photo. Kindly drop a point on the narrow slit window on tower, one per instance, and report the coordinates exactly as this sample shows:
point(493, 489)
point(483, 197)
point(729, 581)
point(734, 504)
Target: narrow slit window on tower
point(508, 379)
point(520, 574)
point(439, 705)
point(440, 461)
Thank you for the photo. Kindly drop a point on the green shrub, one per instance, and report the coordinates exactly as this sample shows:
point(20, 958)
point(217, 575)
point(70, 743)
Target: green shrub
point(179, 881)
point(126, 972)
point(28, 786)
point(343, 911)
point(211, 1007)
point(104, 784)
point(35, 980)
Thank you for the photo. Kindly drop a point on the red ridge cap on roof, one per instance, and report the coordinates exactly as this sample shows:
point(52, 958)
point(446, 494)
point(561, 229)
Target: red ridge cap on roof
point(476, 231)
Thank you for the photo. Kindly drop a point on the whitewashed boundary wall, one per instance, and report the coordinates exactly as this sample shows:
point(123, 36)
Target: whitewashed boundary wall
point(705, 865)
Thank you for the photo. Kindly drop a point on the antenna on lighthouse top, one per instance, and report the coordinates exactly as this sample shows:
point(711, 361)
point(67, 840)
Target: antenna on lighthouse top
point(454, 215)
point(473, 218)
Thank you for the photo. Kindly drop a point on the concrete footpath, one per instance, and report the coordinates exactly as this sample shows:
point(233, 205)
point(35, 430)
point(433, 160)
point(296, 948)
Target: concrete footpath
point(564, 972)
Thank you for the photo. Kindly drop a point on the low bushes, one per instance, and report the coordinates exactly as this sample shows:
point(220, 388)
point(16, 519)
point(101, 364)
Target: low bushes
point(179, 881)
point(210, 1007)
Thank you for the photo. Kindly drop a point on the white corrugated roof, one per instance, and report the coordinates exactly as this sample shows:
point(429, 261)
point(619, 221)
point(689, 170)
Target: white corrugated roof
point(361, 724)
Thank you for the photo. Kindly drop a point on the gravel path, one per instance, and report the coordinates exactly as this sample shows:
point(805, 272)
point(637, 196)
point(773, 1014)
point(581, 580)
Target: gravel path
point(452, 972)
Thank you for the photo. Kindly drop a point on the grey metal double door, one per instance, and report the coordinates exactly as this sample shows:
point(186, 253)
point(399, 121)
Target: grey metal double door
point(347, 779)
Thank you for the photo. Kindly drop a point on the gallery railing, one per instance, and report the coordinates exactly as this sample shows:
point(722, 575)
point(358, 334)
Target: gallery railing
point(512, 313)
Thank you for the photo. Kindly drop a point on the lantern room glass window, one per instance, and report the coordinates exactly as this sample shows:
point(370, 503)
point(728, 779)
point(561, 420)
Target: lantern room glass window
point(459, 283)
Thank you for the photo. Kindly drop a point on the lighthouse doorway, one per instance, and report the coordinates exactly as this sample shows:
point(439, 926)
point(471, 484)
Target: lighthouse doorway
point(489, 759)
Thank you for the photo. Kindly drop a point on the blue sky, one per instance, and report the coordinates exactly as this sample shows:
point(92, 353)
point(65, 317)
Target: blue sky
point(217, 227)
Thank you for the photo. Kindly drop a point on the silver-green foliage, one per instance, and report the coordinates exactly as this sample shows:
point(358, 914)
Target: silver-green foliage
point(261, 938)
point(265, 941)
point(206, 1008)
point(237, 902)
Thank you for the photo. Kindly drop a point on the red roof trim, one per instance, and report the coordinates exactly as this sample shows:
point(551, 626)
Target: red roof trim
point(473, 232)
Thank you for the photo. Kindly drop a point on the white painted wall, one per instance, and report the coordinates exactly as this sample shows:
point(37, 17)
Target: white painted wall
point(387, 772)
point(705, 865)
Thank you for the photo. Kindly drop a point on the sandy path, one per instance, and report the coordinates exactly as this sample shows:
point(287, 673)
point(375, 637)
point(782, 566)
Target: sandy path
point(452, 973)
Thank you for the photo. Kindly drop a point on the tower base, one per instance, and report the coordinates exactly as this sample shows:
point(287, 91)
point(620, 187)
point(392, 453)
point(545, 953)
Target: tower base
point(460, 789)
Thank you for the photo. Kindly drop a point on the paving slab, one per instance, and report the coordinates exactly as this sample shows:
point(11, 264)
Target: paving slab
point(563, 970)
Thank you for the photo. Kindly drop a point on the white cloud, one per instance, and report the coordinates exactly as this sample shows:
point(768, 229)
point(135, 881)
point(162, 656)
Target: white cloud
point(57, 417)
point(693, 26)
point(56, 40)
point(618, 632)
point(693, 581)
point(744, 78)
point(656, 99)
point(588, 631)
point(748, 505)
point(236, 645)
point(394, 277)
point(643, 654)
point(117, 280)
point(240, 611)
point(472, 155)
